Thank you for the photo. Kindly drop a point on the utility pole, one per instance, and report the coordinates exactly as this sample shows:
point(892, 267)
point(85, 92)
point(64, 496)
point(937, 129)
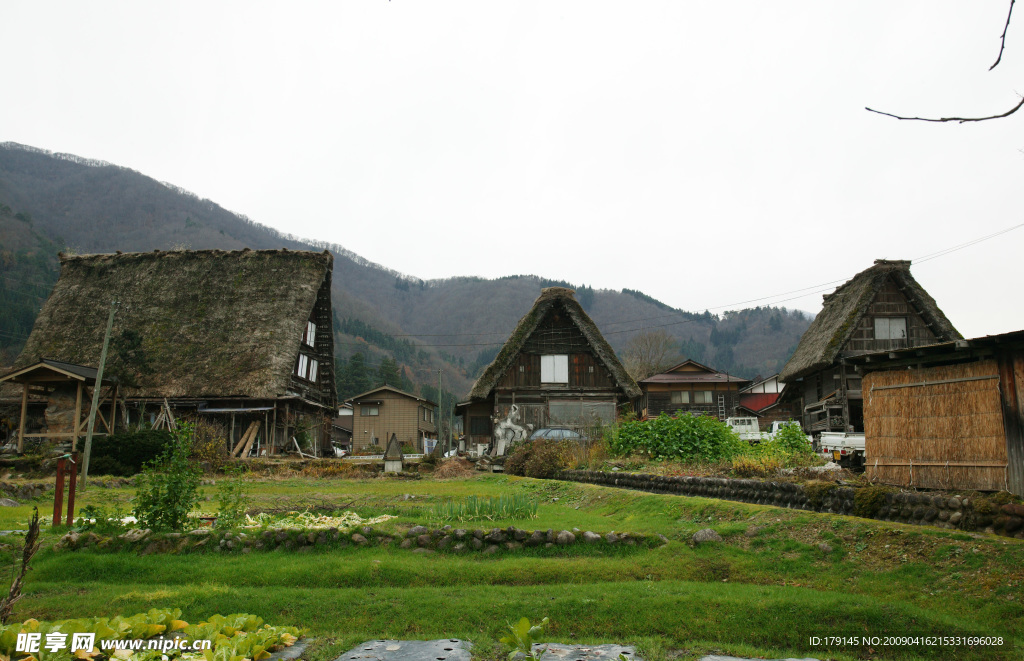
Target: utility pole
point(96, 395)
point(437, 418)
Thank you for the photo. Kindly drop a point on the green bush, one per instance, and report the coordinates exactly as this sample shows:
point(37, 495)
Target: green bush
point(232, 499)
point(791, 440)
point(168, 487)
point(686, 438)
point(127, 452)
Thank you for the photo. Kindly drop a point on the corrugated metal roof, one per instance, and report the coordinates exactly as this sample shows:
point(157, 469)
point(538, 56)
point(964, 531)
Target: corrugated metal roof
point(758, 401)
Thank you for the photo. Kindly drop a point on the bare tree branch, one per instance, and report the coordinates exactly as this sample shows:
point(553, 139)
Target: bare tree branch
point(1002, 43)
point(952, 119)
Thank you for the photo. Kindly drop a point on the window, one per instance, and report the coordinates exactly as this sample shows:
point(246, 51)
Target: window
point(309, 337)
point(680, 396)
point(890, 328)
point(302, 366)
point(703, 397)
point(479, 425)
point(554, 369)
point(313, 366)
point(369, 410)
point(574, 411)
point(428, 414)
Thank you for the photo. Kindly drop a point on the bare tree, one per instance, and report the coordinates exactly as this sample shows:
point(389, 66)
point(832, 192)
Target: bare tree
point(648, 353)
point(1002, 46)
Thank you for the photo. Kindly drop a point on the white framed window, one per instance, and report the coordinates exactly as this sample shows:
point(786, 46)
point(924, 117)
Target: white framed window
point(680, 396)
point(369, 410)
point(303, 365)
point(554, 369)
point(890, 328)
point(309, 336)
point(314, 365)
point(702, 397)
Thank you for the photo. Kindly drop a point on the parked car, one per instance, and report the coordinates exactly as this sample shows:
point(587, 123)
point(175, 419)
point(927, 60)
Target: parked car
point(557, 434)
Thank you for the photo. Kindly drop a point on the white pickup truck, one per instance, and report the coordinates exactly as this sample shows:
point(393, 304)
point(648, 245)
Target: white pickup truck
point(747, 428)
point(846, 449)
point(779, 424)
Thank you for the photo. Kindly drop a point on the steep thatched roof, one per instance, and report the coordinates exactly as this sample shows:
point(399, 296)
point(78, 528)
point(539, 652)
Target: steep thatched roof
point(550, 297)
point(208, 323)
point(831, 329)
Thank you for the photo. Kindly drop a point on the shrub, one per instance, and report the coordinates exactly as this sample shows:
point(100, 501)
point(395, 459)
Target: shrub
point(541, 458)
point(127, 452)
point(232, 499)
point(756, 466)
point(209, 443)
point(686, 438)
point(792, 440)
point(168, 487)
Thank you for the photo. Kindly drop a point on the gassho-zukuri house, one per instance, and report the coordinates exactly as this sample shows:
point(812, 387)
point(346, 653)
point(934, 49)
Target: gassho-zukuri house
point(556, 369)
point(243, 338)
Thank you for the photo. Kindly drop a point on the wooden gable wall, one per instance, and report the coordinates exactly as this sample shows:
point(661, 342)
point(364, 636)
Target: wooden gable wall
point(557, 334)
point(889, 302)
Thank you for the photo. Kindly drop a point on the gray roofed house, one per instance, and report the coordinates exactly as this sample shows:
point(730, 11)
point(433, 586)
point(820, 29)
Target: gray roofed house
point(881, 308)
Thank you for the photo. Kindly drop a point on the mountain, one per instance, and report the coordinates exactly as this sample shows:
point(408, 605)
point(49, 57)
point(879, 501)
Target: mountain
point(400, 324)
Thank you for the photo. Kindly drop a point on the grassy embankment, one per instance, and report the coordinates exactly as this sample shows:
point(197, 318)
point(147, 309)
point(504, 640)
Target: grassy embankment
point(764, 591)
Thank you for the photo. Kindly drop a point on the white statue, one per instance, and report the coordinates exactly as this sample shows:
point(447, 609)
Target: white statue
point(507, 432)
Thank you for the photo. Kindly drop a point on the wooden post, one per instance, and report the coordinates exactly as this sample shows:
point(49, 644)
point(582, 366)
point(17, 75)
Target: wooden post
point(273, 431)
point(78, 416)
point(113, 409)
point(71, 488)
point(231, 434)
point(96, 394)
point(21, 423)
point(58, 493)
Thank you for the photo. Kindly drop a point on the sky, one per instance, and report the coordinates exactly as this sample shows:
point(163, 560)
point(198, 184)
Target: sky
point(712, 155)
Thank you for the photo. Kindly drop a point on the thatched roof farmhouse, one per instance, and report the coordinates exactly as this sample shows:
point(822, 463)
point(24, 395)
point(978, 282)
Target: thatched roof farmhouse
point(244, 334)
point(881, 308)
point(555, 369)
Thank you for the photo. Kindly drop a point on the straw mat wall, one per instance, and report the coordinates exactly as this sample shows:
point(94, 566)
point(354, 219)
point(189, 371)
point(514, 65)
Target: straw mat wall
point(926, 433)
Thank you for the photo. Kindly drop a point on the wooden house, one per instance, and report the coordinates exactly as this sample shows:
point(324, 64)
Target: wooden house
point(690, 387)
point(763, 400)
point(243, 338)
point(947, 415)
point(383, 412)
point(880, 309)
point(555, 369)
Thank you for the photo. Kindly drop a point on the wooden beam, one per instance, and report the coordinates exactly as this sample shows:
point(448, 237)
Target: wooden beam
point(78, 417)
point(252, 437)
point(245, 437)
point(21, 423)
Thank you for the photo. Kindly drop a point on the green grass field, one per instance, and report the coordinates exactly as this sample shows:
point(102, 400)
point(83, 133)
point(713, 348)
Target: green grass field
point(765, 591)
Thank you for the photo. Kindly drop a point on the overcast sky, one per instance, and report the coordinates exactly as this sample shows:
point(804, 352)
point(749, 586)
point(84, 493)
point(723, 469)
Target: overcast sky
point(706, 153)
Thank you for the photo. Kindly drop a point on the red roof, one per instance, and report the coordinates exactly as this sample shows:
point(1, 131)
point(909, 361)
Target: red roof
point(758, 401)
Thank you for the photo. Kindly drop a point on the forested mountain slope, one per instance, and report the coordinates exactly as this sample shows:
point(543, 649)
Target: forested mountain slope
point(403, 327)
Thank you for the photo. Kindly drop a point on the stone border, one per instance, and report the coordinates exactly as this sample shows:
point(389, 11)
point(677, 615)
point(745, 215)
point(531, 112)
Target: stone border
point(418, 539)
point(876, 502)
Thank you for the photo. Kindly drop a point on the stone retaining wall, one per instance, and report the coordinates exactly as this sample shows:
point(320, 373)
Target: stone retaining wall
point(976, 512)
point(418, 539)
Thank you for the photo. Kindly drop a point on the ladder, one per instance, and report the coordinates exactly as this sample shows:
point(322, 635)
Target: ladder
point(721, 408)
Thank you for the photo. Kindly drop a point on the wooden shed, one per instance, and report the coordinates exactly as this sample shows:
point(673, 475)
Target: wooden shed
point(242, 337)
point(555, 369)
point(948, 415)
